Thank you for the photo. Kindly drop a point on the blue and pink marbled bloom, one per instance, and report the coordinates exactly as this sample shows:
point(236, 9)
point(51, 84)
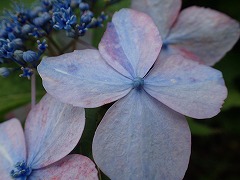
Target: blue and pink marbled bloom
point(52, 130)
point(198, 33)
point(144, 135)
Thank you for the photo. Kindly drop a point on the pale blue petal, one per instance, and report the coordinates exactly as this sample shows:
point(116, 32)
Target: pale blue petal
point(12, 147)
point(140, 138)
point(131, 43)
point(187, 87)
point(52, 130)
point(72, 167)
point(204, 33)
point(82, 78)
point(163, 12)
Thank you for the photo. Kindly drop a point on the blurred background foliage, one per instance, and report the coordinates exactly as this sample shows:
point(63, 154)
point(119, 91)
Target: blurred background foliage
point(215, 142)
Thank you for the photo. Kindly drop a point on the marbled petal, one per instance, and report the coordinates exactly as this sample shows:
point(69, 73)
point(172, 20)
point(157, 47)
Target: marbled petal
point(52, 130)
point(187, 87)
point(131, 43)
point(12, 147)
point(163, 12)
point(82, 78)
point(206, 33)
point(72, 167)
point(140, 138)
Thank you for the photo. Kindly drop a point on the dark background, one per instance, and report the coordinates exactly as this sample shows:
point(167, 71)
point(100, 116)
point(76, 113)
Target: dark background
point(216, 155)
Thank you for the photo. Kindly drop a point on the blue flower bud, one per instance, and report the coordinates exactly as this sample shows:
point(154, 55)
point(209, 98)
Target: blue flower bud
point(30, 56)
point(4, 72)
point(11, 36)
point(81, 30)
point(6, 48)
point(35, 11)
point(18, 55)
point(37, 32)
point(41, 20)
point(17, 43)
point(83, 6)
point(87, 17)
point(3, 33)
point(27, 29)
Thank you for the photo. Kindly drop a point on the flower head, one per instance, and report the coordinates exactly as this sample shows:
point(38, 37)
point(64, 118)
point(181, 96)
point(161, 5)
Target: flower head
point(19, 26)
point(52, 130)
point(201, 34)
point(144, 135)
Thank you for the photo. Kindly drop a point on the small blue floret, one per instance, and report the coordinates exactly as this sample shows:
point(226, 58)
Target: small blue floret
point(42, 46)
point(27, 72)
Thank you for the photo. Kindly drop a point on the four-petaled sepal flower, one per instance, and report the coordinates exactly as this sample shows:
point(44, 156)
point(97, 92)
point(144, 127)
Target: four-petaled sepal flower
point(198, 33)
point(52, 130)
point(144, 135)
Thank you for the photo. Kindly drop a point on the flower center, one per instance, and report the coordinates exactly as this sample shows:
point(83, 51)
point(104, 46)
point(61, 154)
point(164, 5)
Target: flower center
point(138, 83)
point(21, 170)
point(165, 45)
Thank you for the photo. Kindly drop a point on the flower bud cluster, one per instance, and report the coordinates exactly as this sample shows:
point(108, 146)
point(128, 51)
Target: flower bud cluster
point(24, 31)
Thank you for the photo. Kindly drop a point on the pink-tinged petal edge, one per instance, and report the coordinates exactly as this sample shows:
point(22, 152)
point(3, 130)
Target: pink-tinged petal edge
point(131, 43)
point(205, 33)
point(82, 78)
point(140, 138)
point(72, 167)
point(12, 146)
point(163, 12)
point(187, 87)
point(52, 130)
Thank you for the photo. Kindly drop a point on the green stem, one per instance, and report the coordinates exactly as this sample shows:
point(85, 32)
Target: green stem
point(33, 90)
point(87, 45)
point(55, 44)
point(99, 173)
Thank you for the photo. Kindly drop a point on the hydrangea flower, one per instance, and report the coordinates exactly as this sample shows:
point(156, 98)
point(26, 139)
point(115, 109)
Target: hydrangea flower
point(198, 33)
point(144, 135)
point(19, 26)
point(52, 130)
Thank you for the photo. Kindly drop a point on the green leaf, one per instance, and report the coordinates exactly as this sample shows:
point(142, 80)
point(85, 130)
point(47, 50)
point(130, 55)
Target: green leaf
point(117, 6)
point(16, 91)
point(6, 4)
point(92, 116)
point(229, 66)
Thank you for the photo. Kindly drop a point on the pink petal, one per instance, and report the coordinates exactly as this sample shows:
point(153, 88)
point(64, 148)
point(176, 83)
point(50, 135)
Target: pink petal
point(12, 147)
point(131, 43)
point(206, 33)
point(72, 167)
point(52, 130)
point(187, 87)
point(163, 12)
point(140, 138)
point(82, 78)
